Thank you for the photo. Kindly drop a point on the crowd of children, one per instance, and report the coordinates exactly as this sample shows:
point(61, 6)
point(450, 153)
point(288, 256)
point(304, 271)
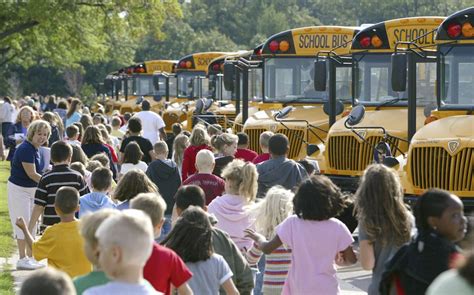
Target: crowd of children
point(194, 213)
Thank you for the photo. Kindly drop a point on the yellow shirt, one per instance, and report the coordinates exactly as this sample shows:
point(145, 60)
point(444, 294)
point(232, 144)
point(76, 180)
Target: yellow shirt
point(63, 246)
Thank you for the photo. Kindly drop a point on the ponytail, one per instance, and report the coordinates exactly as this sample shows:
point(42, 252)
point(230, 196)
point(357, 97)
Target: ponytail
point(244, 176)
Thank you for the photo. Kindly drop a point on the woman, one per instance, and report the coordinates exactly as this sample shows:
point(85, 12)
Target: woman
point(7, 112)
point(17, 132)
point(199, 140)
point(73, 114)
point(22, 185)
point(93, 144)
point(226, 146)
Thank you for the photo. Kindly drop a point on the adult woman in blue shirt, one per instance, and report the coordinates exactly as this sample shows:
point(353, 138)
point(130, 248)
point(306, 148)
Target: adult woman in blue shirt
point(16, 133)
point(21, 187)
point(73, 114)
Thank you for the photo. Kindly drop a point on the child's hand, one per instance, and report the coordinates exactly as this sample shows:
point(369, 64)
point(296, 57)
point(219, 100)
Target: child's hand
point(340, 258)
point(20, 222)
point(258, 238)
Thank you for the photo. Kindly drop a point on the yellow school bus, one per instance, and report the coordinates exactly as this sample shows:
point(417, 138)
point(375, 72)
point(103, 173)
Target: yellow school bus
point(288, 61)
point(441, 152)
point(347, 154)
point(140, 84)
point(191, 83)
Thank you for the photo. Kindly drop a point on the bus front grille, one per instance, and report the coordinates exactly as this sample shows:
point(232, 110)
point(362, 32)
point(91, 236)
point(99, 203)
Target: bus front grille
point(435, 167)
point(226, 121)
point(347, 153)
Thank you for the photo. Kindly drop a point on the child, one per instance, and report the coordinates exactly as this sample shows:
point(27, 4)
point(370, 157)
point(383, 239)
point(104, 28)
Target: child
point(59, 176)
point(181, 142)
point(384, 220)
point(263, 140)
point(214, 129)
point(79, 167)
point(98, 198)
point(132, 159)
point(163, 172)
point(61, 243)
point(176, 128)
point(119, 134)
point(191, 239)
point(192, 195)
point(72, 133)
point(199, 140)
point(211, 184)
point(125, 244)
point(441, 223)
point(232, 209)
point(316, 238)
point(88, 227)
point(131, 184)
point(273, 210)
point(164, 269)
point(242, 148)
point(47, 281)
point(226, 146)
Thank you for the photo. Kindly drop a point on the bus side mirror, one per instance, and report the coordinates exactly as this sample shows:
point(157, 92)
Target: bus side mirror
point(156, 82)
point(356, 115)
point(399, 72)
point(229, 76)
point(339, 107)
point(320, 75)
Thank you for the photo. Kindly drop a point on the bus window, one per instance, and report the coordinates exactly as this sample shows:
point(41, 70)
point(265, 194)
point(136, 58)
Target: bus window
point(458, 75)
point(425, 83)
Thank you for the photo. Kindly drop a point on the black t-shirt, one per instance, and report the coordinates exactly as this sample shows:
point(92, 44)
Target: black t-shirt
point(145, 146)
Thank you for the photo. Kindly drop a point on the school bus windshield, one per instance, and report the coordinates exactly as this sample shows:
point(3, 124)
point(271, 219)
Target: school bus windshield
point(457, 74)
point(291, 80)
point(143, 85)
point(185, 83)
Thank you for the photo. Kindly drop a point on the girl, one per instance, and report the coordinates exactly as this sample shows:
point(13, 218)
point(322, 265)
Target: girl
point(132, 159)
point(226, 147)
point(316, 238)
point(199, 140)
point(56, 132)
point(441, 223)
point(181, 142)
point(384, 220)
point(191, 239)
point(131, 184)
point(92, 144)
point(232, 210)
point(275, 207)
point(74, 112)
point(86, 121)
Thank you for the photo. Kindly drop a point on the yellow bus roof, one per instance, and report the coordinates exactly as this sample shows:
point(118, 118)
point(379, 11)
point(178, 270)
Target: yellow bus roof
point(461, 25)
point(160, 65)
point(220, 60)
point(198, 62)
point(308, 41)
point(383, 36)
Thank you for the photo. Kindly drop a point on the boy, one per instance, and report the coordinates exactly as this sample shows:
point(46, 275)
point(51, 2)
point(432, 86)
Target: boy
point(263, 140)
point(88, 227)
point(165, 174)
point(116, 128)
point(125, 244)
point(101, 182)
point(192, 195)
point(61, 243)
point(72, 133)
point(211, 184)
point(164, 267)
point(134, 130)
point(47, 281)
point(242, 148)
point(50, 182)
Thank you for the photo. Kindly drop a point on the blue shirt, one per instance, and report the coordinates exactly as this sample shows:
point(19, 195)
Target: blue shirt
point(75, 117)
point(25, 153)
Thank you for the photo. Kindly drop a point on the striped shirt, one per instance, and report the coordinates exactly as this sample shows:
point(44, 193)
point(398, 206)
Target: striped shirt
point(277, 264)
point(50, 182)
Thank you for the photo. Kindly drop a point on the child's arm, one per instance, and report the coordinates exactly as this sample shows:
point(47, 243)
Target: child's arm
point(267, 247)
point(230, 288)
point(20, 222)
point(346, 257)
point(184, 289)
point(366, 256)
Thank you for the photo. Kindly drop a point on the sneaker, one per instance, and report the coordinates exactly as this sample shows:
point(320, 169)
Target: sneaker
point(27, 263)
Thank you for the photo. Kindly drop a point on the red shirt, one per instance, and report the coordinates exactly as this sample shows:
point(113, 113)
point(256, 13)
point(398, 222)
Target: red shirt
point(245, 154)
point(112, 153)
point(165, 267)
point(261, 158)
point(189, 160)
point(211, 184)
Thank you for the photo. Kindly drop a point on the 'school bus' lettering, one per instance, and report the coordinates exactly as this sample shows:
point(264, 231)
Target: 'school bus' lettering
point(322, 41)
point(204, 61)
point(412, 34)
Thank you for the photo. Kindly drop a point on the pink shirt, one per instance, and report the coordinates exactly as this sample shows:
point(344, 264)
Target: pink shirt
point(314, 247)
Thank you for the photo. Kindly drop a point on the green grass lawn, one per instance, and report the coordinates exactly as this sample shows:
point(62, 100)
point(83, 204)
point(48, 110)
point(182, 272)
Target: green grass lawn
point(6, 240)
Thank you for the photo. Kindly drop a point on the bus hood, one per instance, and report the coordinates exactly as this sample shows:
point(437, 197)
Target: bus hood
point(314, 114)
point(451, 127)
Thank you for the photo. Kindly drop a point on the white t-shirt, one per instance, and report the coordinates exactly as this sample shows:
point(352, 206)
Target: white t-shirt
point(208, 275)
point(120, 288)
point(129, 166)
point(151, 124)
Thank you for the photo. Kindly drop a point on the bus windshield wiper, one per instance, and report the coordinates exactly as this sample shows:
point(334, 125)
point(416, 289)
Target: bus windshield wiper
point(390, 102)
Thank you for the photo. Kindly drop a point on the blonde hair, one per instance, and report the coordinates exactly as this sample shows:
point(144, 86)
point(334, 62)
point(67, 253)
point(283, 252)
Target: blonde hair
point(22, 109)
point(199, 136)
point(130, 230)
point(160, 147)
point(89, 223)
point(180, 143)
point(152, 204)
point(204, 159)
point(275, 207)
point(380, 208)
point(265, 138)
point(242, 177)
point(221, 140)
point(35, 127)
